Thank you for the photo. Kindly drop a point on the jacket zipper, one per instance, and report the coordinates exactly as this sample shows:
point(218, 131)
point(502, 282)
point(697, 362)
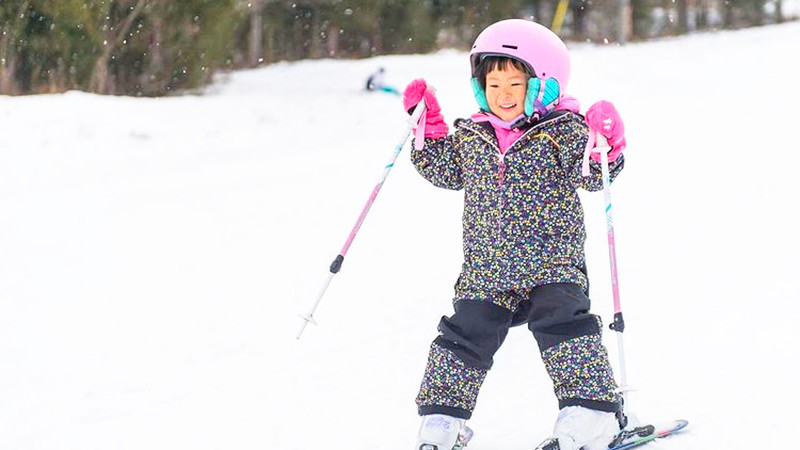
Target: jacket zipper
point(501, 157)
point(501, 168)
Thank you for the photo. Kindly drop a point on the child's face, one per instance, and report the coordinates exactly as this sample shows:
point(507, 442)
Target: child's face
point(505, 92)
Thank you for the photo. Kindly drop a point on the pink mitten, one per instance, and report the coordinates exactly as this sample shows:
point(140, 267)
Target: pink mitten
point(432, 119)
point(604, 119)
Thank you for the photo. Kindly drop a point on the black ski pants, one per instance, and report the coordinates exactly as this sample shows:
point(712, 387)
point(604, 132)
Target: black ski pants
point(554, 313)
point(568, 336)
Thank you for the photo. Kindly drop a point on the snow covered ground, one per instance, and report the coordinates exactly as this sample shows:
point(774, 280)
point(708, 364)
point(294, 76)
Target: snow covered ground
point(155, 255)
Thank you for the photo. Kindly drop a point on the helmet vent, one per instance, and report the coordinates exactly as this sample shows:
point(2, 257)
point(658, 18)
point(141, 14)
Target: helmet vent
point(510, 46)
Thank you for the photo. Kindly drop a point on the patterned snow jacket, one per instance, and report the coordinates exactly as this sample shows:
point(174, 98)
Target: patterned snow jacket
point(523, 222)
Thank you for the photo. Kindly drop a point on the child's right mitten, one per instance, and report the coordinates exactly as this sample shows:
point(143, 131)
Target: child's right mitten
point(432, 119)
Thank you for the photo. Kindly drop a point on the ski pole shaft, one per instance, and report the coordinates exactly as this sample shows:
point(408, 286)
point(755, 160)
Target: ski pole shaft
point(602, 144)
point(619, 323)
point(336, 265)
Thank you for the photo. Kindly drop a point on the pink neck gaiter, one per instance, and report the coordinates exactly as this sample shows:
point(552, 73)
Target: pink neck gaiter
point(505, 134)
point(506, 137)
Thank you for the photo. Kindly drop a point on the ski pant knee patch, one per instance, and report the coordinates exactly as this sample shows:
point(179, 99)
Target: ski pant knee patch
point(449, 384)
point(581, 371)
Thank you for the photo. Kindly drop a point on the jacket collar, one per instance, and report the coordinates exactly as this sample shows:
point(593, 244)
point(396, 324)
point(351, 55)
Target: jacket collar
point(485, 131)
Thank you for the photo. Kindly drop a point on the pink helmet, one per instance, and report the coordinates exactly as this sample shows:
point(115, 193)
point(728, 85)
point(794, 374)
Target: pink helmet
point(531, 43)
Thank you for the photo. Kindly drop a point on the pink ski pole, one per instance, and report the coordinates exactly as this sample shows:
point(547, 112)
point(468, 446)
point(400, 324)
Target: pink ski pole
point(337, 262)
point(619, 324)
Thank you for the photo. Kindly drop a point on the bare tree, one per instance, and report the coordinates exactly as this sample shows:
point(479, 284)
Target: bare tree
point(256, 38)
point(8, 50)
point(114, 37)
point(625, 25)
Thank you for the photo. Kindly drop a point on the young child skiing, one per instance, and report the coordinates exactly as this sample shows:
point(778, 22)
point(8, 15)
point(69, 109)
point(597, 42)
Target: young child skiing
point(376, 82)
point(520, 163)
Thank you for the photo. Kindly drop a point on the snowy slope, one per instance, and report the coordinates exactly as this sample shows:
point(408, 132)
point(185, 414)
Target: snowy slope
point(155, 255)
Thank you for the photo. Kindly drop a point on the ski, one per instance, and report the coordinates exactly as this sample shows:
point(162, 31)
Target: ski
point(646, 433)
point(627, 439)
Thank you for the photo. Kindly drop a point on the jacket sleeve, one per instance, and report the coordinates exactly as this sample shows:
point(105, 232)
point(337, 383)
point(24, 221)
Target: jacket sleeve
point(571, 137)
point(440, 162)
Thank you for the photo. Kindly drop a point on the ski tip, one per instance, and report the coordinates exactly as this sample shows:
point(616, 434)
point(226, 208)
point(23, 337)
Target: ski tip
point(671, 427)
point(666, 428)
point(658, 430)
point(681, 423)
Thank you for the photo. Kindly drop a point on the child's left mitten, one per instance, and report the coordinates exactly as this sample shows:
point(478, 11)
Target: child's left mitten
point(603, 118)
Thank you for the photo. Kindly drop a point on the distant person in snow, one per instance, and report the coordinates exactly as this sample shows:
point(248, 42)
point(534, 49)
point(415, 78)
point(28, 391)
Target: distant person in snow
point(519, 161)
point(376, 82)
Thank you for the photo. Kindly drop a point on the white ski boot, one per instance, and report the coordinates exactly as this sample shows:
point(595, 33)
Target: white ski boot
point(439, 432)
point(579, 428)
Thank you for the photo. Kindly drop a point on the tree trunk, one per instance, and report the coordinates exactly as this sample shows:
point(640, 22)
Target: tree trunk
point(758, 13)
point(579, 20)
point(100, 80)
point(540, 12)
point(332, 42)
point(8, 71)
point(727, 16)
point(702, 15)
point(624, 21)
point(8, 51)
point(270, 47)
point(256, 38)
point(155, 69)
point(316, 51)
point(9, 64)
point(683, 16)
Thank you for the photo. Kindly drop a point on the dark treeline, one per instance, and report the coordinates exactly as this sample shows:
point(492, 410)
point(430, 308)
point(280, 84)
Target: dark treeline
point(156, 47)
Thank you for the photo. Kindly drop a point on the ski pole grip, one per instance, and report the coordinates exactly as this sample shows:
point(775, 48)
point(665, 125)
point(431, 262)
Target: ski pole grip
point(417, 112)
point(595, 143)
point(417, 122)
point(601, 143)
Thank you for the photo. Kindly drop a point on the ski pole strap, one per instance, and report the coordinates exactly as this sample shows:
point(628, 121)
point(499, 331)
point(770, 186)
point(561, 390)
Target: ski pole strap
point(596, 142)
point(586, 152)
point(419, 135)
